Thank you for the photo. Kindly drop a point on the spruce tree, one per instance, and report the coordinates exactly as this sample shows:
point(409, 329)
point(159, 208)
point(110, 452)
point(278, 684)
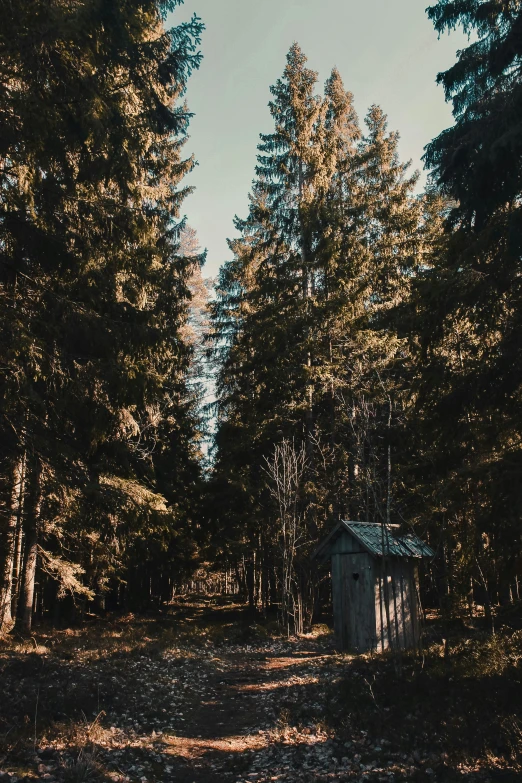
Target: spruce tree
point(95, 287)
point(303, 314)
point(469, 297)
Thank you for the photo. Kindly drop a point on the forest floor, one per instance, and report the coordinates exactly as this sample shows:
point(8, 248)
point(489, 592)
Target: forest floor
point(203, 694)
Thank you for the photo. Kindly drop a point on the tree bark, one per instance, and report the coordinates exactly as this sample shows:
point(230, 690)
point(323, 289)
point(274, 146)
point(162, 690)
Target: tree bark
point(385, 535)
point(31, 545)
point(250, 582)
point(8, 545)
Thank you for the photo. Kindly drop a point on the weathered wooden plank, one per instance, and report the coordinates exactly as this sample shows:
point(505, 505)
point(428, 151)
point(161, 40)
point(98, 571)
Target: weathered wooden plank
point(396, 607)
point(377, 592)
point(353, 568)
point(359, 587)
point(414, 588)
point(337, 599)
point(369, 605)
point(345, 544)
point(359, 602)
point(346, 605)
point(405, 609)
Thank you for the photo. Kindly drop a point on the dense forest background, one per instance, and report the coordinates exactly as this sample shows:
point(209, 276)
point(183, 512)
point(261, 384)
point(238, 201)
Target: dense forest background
point(364, 338)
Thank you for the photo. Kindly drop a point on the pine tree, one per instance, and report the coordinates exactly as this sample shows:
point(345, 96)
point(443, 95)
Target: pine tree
point(469, 296)
point(94, 284)
point(303, 314)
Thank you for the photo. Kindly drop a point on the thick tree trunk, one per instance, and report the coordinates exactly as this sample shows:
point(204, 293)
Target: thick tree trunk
point(8, 542)
point(31, 545)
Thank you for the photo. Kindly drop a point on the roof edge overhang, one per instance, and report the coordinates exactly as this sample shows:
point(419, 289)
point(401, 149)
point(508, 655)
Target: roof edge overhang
point(345, 525)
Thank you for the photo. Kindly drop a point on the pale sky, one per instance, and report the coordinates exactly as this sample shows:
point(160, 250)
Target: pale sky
point(386, 51)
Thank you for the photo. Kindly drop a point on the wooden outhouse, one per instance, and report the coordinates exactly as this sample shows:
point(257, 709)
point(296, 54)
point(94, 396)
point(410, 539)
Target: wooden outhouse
point(373, 565)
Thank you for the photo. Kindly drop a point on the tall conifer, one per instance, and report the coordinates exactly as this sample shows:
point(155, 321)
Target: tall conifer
point(303, 309)
point(470, 297)
point(94, 285)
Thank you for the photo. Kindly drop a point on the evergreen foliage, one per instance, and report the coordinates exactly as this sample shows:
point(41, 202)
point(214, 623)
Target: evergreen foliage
point(364, 339)
point(98, 427)
point(306, 342)
point(468, 305)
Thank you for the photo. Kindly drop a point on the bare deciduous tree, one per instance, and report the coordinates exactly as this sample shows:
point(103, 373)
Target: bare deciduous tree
point(286, 469)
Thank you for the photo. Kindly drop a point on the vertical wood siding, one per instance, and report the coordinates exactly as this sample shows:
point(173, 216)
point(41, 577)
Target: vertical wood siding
point(404, 610)
point(358, 603)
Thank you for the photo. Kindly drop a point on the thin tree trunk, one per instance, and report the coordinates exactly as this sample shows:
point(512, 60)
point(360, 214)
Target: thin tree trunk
point(307, 285)
point(31, 545)
point(488, 609)
point(353, 510)
point(336, 498)
point(385, 533)
point(17, 570)
point(386, 589)
point(8, 545)
point(19, 547)
point(250, 583)
point(241, 579)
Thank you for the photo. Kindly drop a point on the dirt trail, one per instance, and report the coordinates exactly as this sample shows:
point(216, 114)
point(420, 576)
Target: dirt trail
point(236, 718)
point(145, 701)
point(203, 695)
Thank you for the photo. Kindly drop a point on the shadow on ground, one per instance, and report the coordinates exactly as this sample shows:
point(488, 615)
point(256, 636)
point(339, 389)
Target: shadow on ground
point(206, 693)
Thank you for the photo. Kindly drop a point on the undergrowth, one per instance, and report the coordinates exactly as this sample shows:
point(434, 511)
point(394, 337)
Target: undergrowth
point(465, 706)
point(460, 701)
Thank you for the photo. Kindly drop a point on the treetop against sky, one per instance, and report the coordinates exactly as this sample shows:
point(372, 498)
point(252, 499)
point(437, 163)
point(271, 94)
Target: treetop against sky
point(387, 53)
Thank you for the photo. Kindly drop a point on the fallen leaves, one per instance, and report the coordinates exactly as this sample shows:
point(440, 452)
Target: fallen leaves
point(255, 712)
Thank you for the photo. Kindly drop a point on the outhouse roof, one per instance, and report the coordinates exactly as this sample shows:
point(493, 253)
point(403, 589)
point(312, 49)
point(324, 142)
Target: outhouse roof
point(370, 537)
point(417, 546)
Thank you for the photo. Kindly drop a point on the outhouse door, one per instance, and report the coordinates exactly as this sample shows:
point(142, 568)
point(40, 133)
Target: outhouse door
point(353, 595)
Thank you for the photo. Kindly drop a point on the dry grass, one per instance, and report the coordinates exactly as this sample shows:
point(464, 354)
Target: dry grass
point(58, 684)
point(62, 689)
point(465, 708)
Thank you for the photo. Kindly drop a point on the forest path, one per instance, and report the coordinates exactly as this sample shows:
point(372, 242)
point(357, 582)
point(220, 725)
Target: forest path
point(235, 720)
point(199, 695)
point(205, 695)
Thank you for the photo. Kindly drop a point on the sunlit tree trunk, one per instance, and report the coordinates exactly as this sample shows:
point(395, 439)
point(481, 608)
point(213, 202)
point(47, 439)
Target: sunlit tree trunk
point(31, 525)
point(8, 545)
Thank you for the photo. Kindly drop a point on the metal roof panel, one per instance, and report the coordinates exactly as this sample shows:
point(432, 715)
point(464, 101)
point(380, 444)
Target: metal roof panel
point(417, 546)
point(370, 536)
